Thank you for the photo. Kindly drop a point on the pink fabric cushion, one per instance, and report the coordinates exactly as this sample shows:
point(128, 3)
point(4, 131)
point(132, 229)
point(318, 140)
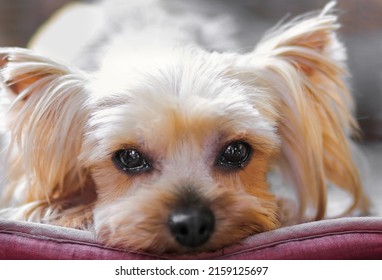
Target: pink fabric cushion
point(346, 238)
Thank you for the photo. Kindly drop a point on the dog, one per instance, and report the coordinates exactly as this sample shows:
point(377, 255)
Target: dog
point(167, 145)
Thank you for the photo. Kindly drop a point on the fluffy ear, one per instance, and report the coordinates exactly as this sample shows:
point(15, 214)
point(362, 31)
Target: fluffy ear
point(45, 120)
point(303, 65)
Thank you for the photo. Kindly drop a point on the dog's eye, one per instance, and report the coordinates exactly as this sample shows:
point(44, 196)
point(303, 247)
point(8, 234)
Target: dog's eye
point(235, 155)
point(131, 161)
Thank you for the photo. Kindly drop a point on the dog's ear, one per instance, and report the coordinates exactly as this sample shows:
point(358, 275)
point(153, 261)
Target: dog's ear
point(45, 119)
point(303, 65)
point(21, 68)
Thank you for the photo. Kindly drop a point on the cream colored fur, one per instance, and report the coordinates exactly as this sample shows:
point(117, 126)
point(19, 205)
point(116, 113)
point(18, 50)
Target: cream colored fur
point(180, 104)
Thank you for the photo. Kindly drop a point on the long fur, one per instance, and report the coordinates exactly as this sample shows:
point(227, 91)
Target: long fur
point(303, 63)
point(180, 103)
point(46, 117)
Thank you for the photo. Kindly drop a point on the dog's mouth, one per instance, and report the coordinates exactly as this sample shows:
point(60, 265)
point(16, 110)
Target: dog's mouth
point(190, 224)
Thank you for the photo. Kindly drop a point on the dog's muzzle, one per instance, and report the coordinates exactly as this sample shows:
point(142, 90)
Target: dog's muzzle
point(191, 221)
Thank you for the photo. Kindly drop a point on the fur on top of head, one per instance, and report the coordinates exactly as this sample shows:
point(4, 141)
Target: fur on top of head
point(179, 110)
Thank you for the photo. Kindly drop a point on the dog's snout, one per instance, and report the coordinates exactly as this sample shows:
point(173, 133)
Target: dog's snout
point(192, 226)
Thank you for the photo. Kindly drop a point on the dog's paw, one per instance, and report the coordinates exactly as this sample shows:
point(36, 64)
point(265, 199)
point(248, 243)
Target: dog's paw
point(81, 219)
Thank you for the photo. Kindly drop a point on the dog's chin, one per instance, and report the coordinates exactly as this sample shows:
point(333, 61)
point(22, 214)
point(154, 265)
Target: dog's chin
point(140, 222)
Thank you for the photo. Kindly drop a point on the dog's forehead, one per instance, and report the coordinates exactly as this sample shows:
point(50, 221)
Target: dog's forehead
point(160, 120)
point(176, 68)
point(190, 98)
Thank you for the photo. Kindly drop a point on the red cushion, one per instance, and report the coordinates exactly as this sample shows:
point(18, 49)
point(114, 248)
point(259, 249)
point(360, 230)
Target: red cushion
point(346, 238)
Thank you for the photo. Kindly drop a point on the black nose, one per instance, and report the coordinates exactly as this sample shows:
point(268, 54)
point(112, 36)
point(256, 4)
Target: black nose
point(192, 226)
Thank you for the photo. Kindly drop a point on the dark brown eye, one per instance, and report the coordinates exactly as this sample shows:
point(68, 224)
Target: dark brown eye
point(235, 155)
point(131, 161)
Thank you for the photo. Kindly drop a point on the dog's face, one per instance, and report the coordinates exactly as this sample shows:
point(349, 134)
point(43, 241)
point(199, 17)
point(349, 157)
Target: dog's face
point(176, 147)
point(180, 161)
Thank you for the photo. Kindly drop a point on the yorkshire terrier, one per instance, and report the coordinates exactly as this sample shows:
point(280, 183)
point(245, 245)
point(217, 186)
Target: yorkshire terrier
point(167, 146)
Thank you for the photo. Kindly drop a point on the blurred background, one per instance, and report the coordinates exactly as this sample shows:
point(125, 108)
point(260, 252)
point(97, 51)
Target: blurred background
point(361, 32)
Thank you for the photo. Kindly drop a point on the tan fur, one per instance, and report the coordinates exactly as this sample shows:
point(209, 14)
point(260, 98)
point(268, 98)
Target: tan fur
point(41, 128)
point(287, 99)
point(304, 65)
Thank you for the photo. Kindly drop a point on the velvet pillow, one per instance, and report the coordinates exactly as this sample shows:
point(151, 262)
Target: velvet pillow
point(345, 238)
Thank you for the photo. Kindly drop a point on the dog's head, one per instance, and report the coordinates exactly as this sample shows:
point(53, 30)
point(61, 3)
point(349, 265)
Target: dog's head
point(178, 148)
